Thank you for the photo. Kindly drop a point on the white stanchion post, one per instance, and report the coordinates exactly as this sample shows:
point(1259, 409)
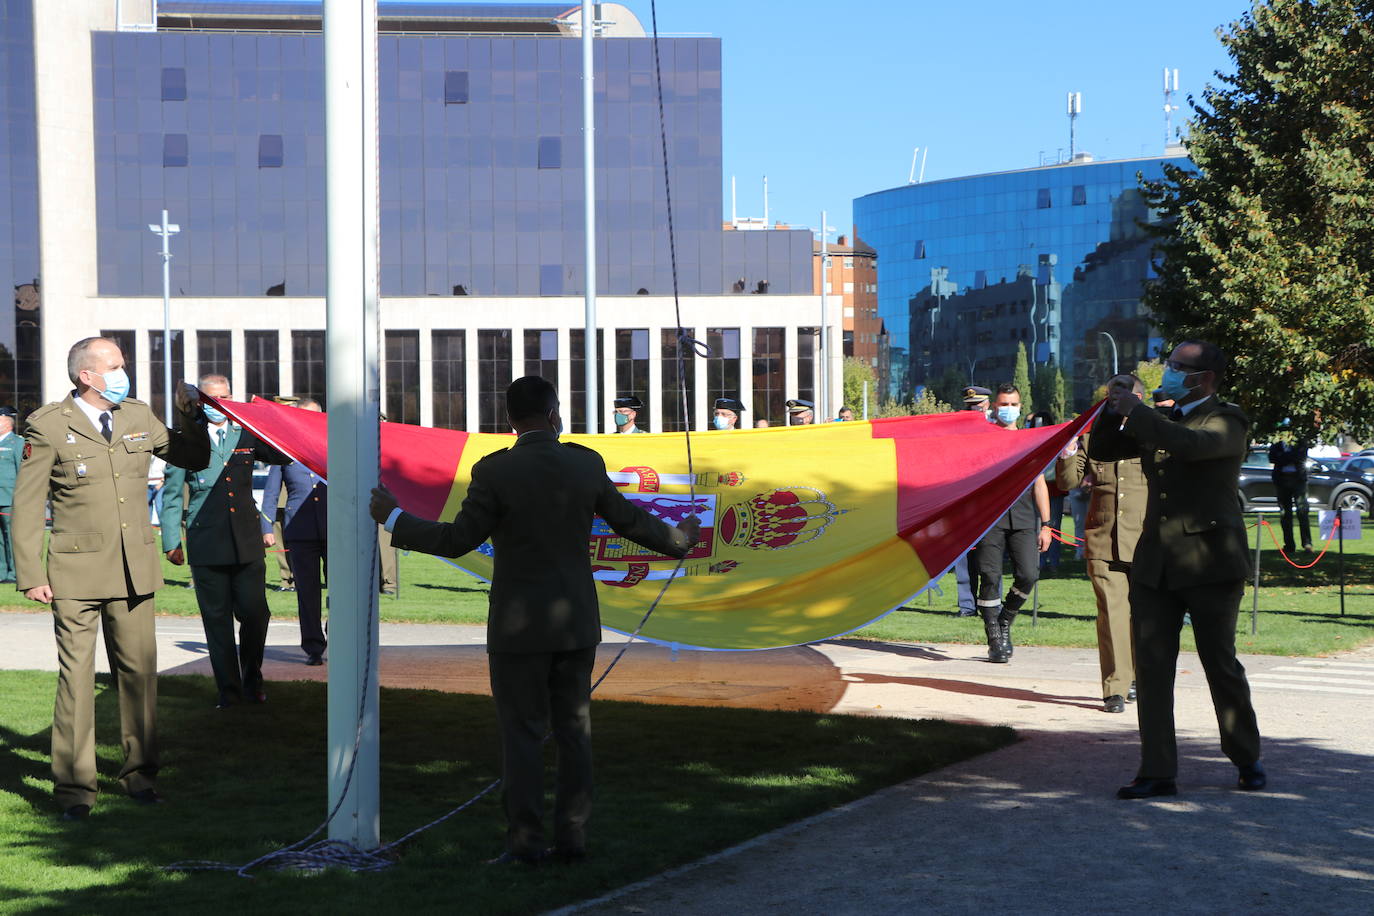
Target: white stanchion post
point(350, 65)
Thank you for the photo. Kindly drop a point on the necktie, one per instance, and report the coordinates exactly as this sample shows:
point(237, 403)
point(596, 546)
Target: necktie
point(105, 429)
point(220, 443)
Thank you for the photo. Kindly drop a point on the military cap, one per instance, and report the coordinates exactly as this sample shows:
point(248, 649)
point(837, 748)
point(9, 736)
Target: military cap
point(798, 405)
point(8, 412)
point(632, 403)
point(734, 404)
point(974, 394)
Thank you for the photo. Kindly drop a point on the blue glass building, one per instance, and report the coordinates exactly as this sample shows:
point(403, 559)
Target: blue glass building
point(970, 269)
point(19, 263)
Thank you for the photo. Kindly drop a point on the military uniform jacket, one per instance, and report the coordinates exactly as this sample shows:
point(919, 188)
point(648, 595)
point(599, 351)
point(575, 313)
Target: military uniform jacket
point(11, 456)
point(304, 501)
point(1116, 506)
point(223, 524)
point(535, 501)
point(1194, 533)
point(102, 543)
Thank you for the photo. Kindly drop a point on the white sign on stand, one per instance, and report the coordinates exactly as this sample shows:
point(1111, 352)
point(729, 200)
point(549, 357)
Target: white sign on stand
point(1350, 529)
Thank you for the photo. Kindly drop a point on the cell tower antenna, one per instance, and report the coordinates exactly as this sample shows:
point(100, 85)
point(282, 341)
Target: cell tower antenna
point(1075, 108)
point(1170, 87)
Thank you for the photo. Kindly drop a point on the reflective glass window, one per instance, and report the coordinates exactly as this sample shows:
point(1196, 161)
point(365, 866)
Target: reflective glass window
point(493, 378)
point(768, 374)
point(577, 352)
point(403, 376)
point(675, 378)
point(541, 354)
point(157, 398)
point(550, 152)
point(270, 151)
point(456, 87)
point(215, 355)
point(1080, 195)
point(307, 365)
point(173, 84)
point(174, 150)
point(722, 366)
point(632, 367)
point(1042, 199)
point(448, 378)
point(261, 364)
point(127, 341)
point(806, 363)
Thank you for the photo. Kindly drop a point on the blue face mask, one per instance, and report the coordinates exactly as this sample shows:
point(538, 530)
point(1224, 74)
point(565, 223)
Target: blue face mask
point(720, 422)
point(1172, 385)
point(213, 415)
point(116, 385)
point(622, 419)
point(1008, 415)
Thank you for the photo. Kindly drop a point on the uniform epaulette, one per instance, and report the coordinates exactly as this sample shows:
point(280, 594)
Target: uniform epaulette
point(134, 401)
point(490, 454)
point(44, 411)
point(577, 445)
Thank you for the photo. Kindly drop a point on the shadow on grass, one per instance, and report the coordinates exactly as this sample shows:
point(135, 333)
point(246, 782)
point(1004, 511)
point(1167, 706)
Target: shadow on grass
point(431, 586)
point(674, 783)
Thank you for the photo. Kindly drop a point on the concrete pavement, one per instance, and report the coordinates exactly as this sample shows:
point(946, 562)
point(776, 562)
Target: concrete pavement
point(1032, 828)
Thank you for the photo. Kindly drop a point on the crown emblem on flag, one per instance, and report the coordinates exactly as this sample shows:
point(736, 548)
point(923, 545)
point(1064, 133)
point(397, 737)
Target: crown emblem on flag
point(785, 517)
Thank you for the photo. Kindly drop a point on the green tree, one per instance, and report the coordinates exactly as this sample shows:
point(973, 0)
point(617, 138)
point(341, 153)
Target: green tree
point(1268, 247)
point(1020, 377)
point(927, 403)
point(949, 387)
point(1050, 391)
point(856, 372)
point(1150, 373)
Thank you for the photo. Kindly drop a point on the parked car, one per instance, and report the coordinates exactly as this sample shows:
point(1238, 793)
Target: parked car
point(1361, 464)
point(1326, 488)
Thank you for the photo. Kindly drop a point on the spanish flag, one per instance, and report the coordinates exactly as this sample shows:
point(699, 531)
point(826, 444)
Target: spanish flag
point(807, 532)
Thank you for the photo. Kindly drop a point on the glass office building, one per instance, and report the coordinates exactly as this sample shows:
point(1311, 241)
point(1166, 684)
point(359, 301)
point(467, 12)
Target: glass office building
point(481, 166)
point(1052, 258)
point(19, 266)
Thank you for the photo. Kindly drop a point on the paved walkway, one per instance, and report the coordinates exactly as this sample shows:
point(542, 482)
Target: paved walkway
point(1032, 828)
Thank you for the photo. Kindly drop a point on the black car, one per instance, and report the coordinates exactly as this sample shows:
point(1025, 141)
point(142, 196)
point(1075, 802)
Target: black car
point(1326, 488)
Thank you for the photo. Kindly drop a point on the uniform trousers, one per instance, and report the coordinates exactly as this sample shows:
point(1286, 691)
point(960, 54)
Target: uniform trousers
point(6, 546)
point(1291, 491)
point(284, 577)
point(225, 594)
point(1111, 581)
point(1024, 547)
point(1157, 617)
point(131, 648)
point(530, 690)
point(307, 568)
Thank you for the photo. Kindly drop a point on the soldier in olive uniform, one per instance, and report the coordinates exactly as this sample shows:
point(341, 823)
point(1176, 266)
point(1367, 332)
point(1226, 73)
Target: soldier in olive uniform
point(627, 415)
point(1116, 512)
point(536, 501)
point(89, 454)
point(1191, 559)
point(11, 455)
point(225, 540)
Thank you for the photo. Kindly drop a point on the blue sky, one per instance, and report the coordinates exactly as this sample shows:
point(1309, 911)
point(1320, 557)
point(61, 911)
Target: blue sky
point(828, 99)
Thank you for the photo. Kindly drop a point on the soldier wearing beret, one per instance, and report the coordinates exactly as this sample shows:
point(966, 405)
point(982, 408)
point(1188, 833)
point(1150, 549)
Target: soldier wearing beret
point(728, 413)
point(626, 413)
point(89, 453)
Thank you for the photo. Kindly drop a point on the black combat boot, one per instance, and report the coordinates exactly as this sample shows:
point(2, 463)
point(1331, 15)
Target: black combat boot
point(1010, 607)
point(992, 626)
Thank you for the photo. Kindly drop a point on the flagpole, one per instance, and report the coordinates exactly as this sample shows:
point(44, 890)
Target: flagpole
point(589, 217)
point(351, 330)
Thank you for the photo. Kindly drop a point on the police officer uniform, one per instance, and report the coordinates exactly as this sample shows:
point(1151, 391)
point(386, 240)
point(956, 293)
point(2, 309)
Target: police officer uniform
point(304, 528)
point(735, 406)
point(632, 424)
point(11, 455)
point(103, 567)
point(224, 545)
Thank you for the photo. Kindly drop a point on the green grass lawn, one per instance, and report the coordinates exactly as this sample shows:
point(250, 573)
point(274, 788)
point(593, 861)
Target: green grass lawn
point(1299, 610)
point(674, 783)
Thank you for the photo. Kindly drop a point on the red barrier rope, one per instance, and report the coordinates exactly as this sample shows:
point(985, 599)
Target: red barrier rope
point(1064, 538)
point(1335, 527)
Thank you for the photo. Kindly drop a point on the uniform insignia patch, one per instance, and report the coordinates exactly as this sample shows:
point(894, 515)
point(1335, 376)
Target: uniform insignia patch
point(136, 437)
point(28, 449)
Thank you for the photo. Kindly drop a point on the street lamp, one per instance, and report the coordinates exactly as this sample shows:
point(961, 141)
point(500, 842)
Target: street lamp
point(1112, 341)
point(166, 230)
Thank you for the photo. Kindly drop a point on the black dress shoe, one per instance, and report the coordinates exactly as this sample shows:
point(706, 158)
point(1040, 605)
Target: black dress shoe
point(1253, 777)
point(77, 813)
point(515, 858)
point(259, 697)
point(1114, 703)
point(1147, 788)
point(1130, 694)
point(315, 660)
point(565, 856)
point(147, 797)
point(224, 701)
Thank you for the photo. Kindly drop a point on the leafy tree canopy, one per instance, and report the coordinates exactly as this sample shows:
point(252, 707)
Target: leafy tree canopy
point(1268, 247)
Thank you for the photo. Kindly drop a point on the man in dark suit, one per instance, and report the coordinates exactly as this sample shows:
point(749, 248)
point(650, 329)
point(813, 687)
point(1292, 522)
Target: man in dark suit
point(304, 527)
point(1191, 557)
point(1289, 476)
point(536, 501)
point(225, 540)
point(89, 454)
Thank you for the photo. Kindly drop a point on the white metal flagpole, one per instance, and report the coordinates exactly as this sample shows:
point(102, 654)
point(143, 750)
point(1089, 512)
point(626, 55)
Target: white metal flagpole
point(350, 68)
point(589, 216)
